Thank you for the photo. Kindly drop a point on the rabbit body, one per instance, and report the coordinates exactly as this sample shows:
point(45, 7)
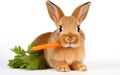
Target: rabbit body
point(72, 52)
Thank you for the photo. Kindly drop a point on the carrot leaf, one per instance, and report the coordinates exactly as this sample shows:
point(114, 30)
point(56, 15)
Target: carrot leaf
point(30, 60)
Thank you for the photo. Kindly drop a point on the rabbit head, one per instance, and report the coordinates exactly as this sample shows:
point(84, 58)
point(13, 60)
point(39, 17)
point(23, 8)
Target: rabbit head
point(68, 30)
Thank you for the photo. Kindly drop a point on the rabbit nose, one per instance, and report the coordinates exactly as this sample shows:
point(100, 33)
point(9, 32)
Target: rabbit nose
point(70, 39)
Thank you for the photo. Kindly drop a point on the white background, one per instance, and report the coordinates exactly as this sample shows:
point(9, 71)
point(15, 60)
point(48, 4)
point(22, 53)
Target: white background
point(21, 21)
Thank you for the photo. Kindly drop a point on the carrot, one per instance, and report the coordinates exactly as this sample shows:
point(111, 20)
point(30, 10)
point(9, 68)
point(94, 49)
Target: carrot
point(41, 47)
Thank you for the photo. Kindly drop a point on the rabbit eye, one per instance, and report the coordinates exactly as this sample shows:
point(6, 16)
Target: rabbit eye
point(60, 28)
point(78, 28)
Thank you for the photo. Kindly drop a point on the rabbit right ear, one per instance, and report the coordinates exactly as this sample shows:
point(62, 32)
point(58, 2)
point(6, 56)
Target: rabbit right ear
point(54, 11)
point(81, 11)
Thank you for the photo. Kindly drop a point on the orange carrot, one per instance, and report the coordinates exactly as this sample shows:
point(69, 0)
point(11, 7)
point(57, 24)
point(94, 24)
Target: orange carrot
point(41, 47)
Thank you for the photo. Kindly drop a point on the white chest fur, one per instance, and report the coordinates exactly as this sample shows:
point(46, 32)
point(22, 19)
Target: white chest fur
point(68, 55)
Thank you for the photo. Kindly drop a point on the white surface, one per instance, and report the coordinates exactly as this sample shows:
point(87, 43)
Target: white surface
point(21, 21)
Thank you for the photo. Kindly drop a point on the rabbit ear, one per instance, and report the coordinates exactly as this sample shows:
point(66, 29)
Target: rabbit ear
point(81, 11)
point(54, 11)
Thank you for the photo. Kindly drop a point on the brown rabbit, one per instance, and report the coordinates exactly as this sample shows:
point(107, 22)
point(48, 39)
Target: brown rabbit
point(71, 54)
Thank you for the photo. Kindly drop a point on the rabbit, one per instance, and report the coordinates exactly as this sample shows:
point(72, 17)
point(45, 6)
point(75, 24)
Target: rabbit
point(71, 53)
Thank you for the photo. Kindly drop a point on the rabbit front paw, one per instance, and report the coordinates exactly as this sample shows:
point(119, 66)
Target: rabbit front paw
point(63, 68)
point(78, 66)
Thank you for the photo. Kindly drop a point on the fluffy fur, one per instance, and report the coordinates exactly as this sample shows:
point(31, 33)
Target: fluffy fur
point(71, 54)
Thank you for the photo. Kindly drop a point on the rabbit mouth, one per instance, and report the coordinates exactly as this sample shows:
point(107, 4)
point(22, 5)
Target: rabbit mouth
point(70, 45)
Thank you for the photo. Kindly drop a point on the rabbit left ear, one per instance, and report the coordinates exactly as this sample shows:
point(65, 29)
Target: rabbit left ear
point(81, 11)
point(54, 11)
